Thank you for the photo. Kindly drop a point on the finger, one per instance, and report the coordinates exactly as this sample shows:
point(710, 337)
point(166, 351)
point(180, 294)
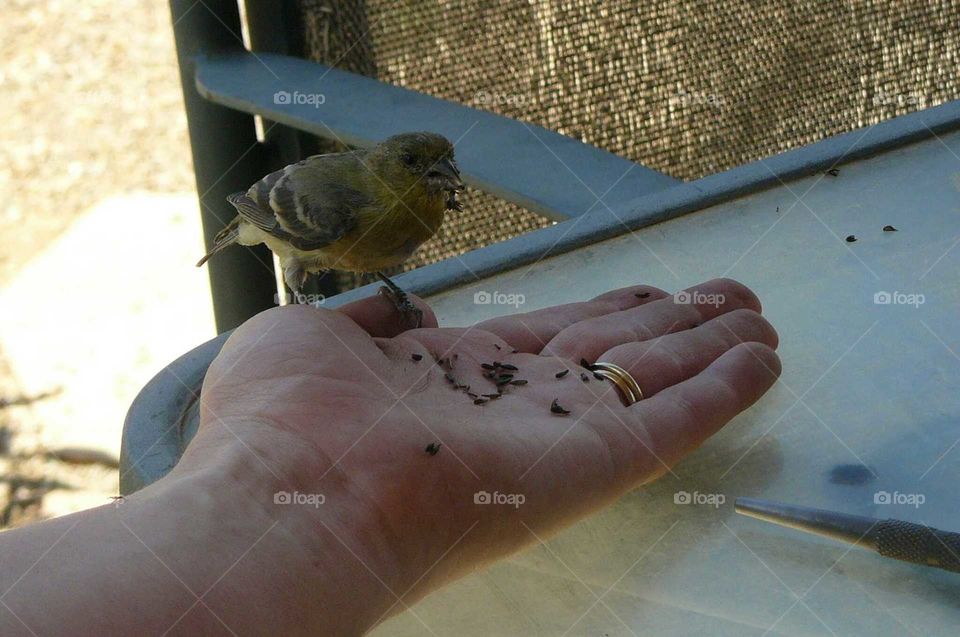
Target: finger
point(680, 418)
point(530, 331)
point(378, 315)
point(592, 337)
point(665, 361)
point(317, 335)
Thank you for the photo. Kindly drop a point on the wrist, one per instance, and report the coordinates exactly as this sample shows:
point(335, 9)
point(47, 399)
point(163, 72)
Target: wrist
point(322, 558)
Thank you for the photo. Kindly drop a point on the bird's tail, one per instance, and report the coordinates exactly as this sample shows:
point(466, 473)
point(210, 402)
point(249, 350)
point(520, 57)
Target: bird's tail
point(224, 239)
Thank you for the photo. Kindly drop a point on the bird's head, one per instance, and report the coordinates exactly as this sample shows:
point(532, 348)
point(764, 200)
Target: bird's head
point(421, 159)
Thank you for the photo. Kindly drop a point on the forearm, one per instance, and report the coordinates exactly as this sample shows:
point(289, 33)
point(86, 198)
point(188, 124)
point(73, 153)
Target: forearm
point(197, 553)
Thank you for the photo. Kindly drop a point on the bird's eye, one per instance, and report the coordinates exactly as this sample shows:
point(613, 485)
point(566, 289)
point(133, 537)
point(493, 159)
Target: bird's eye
point(408, 159)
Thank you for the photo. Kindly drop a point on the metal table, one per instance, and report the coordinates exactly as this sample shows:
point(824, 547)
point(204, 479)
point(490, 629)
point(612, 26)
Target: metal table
point(866, 410)
point(868, 405)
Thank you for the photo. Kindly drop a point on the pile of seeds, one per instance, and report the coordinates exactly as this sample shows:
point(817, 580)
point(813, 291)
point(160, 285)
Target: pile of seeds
point(503, 376)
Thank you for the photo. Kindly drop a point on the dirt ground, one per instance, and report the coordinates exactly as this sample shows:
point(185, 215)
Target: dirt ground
point(95, 167)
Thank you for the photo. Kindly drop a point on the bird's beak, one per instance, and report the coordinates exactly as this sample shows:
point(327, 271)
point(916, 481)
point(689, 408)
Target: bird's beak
point(447, 170)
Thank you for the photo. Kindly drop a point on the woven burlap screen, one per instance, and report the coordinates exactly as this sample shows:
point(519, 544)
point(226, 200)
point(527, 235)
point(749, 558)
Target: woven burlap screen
point(688, 89)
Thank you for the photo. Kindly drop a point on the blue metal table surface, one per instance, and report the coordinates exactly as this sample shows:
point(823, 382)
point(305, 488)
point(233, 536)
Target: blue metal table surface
point(867, 411)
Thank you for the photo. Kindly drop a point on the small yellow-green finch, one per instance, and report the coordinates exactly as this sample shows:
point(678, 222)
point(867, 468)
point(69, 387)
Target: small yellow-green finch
point(360, 211)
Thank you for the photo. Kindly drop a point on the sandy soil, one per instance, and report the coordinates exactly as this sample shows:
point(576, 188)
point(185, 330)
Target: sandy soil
point(99, 230)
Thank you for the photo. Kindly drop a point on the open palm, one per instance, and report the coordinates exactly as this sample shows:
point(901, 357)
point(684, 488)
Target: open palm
point(436, 450)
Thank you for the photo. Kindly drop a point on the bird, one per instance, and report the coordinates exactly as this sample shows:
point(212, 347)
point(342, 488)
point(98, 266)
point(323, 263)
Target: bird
point(363, 210)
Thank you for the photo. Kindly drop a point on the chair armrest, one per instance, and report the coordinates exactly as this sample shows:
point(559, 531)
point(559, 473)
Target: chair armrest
point(163, 417)
point(540, 170)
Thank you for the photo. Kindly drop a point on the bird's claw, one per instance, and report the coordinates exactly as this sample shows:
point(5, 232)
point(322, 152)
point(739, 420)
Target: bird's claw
point(410, 315)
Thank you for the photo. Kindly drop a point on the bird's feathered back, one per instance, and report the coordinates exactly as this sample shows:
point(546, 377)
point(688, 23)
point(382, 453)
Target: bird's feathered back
point(311, 203)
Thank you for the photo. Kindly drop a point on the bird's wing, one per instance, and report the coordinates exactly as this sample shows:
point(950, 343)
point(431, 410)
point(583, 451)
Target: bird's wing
point(250, 211)
point(307, 203)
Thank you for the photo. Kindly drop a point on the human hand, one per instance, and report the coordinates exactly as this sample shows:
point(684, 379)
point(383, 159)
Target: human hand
point(333, 403)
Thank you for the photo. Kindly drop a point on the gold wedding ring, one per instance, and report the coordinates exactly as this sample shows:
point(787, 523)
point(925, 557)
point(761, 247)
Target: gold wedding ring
point(627, 387)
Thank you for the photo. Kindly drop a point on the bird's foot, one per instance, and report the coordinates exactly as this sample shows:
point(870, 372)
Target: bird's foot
point(410, 315)
point(295, 277)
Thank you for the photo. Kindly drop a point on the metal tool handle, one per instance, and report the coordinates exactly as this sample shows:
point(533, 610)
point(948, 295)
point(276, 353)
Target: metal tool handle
point(919, 544)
